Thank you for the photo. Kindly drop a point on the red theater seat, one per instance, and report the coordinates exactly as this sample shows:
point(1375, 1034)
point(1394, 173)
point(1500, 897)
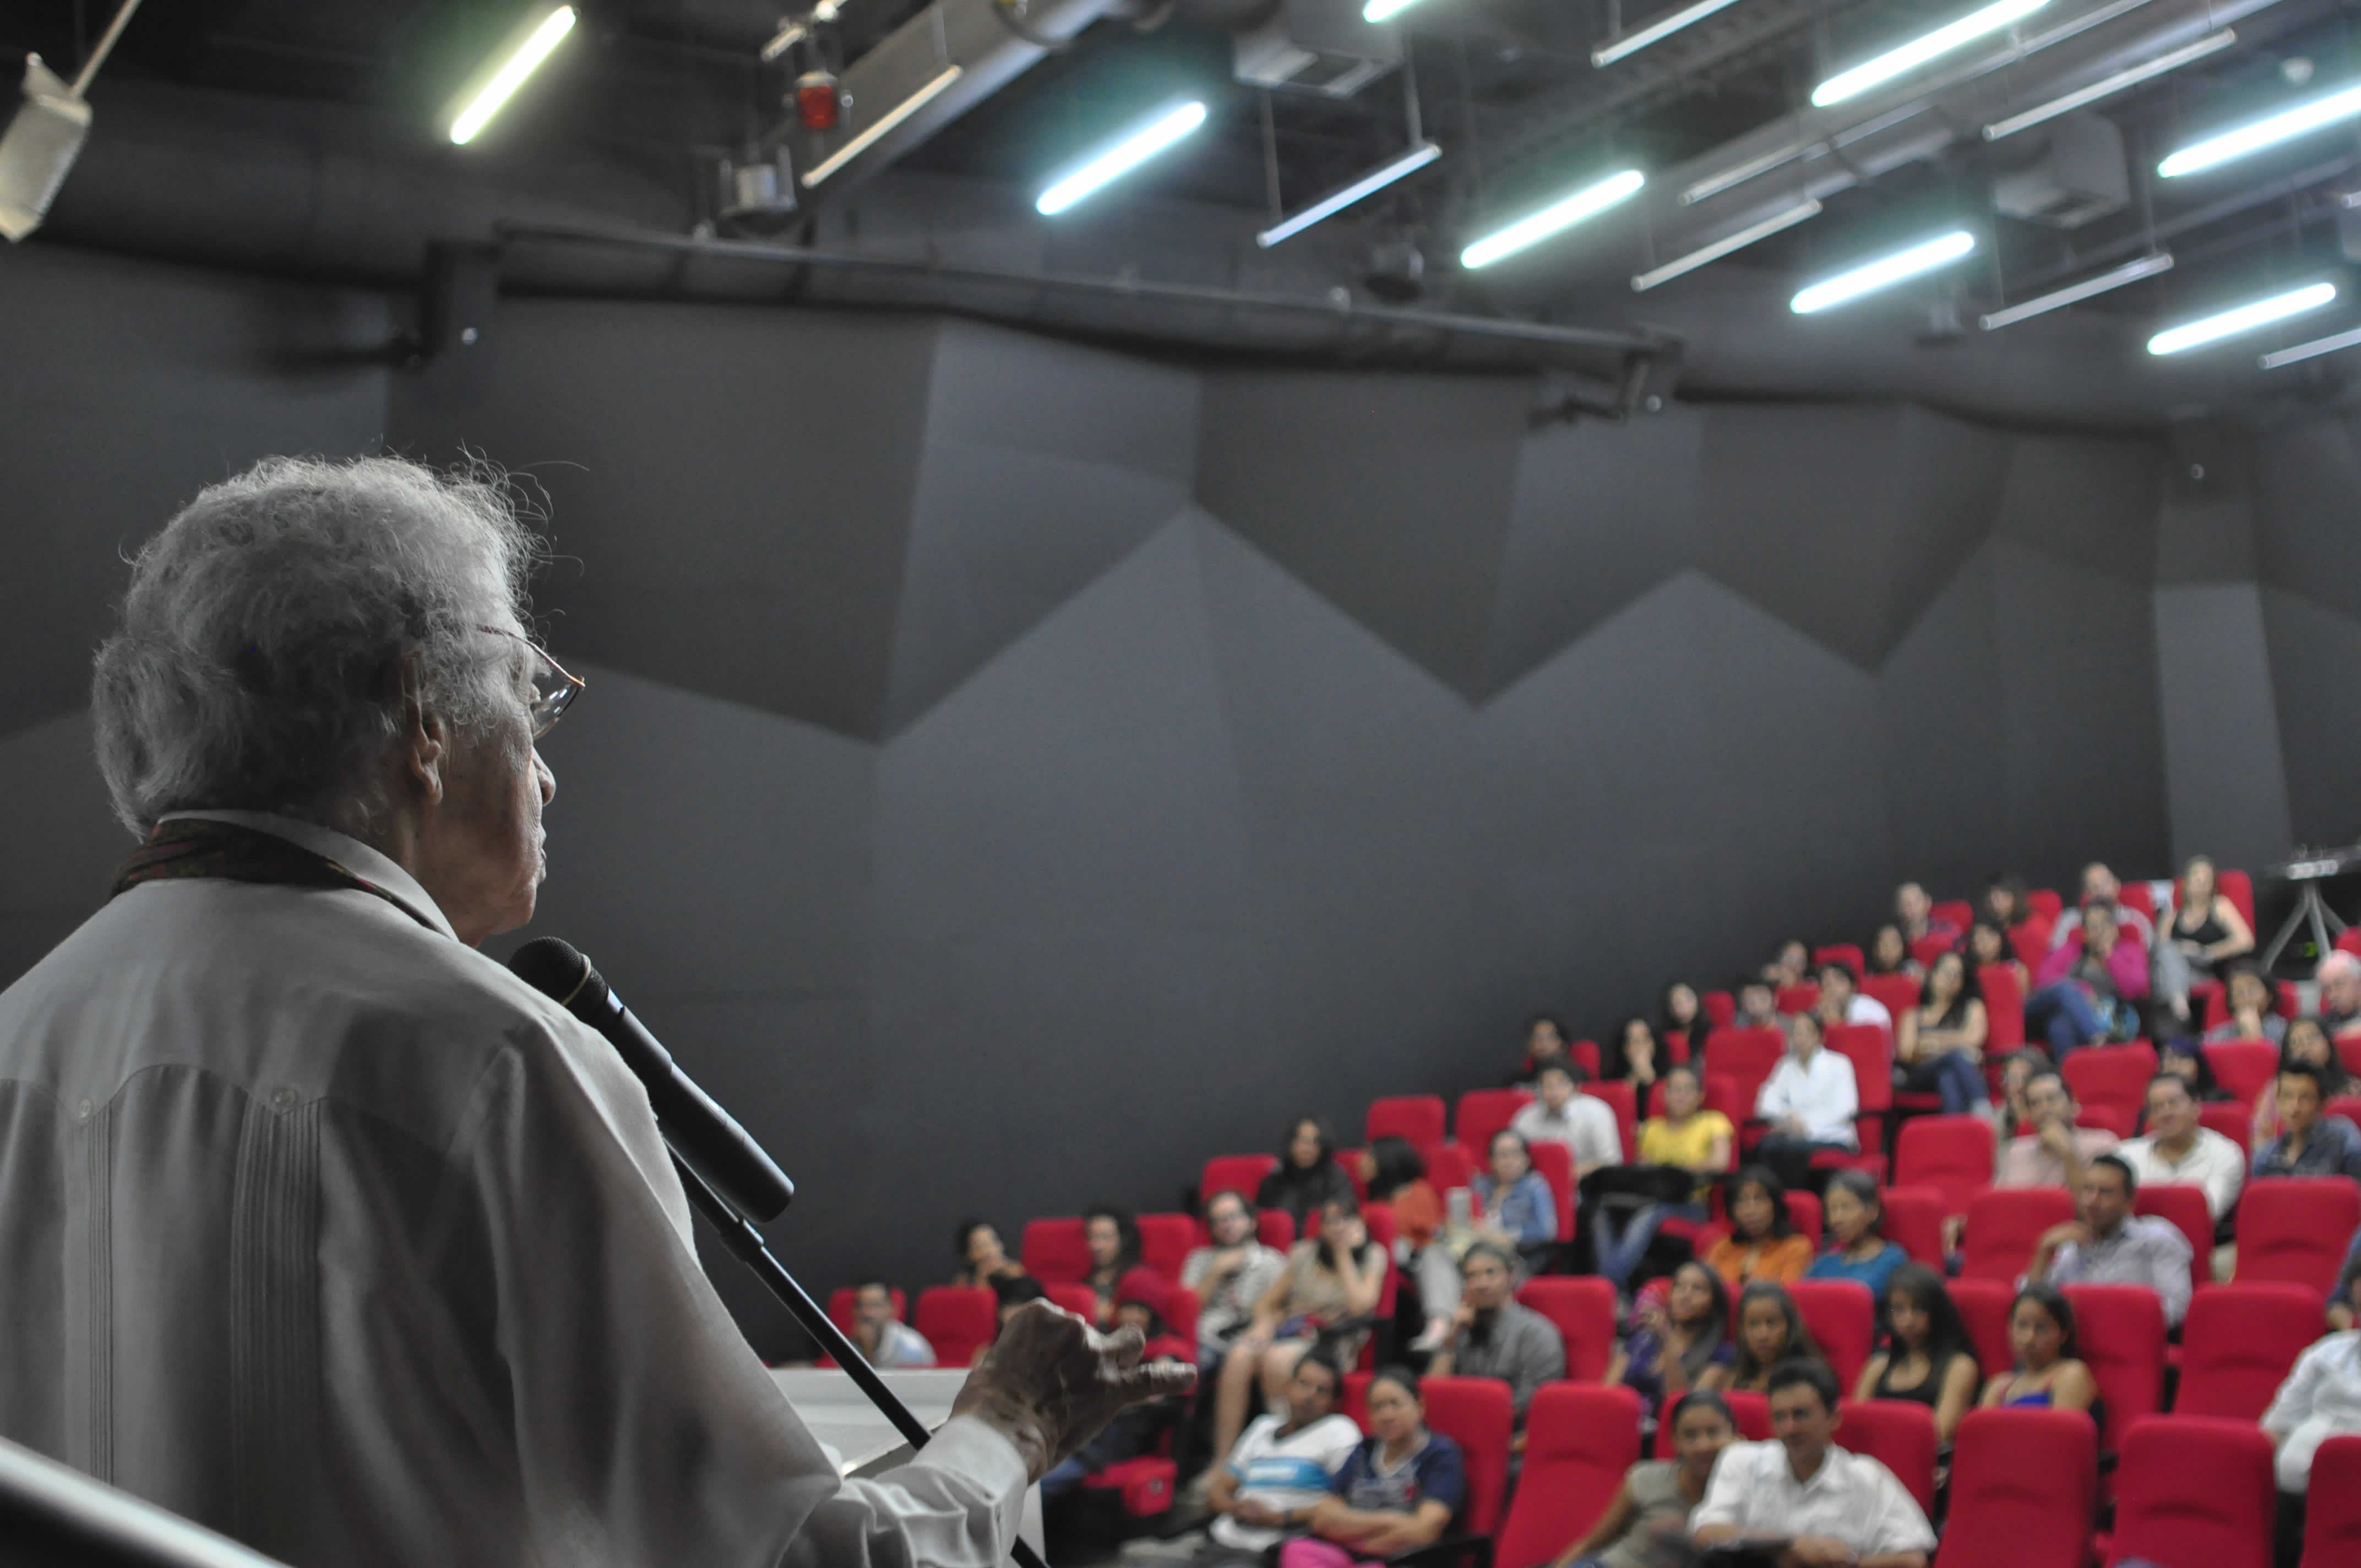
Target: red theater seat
point(1075, 1298)
point(2193, 1490)
point(2239, 1345)
point(1579, 1440)
point(2332, 1515)
point(2004, 1224)
point(2004, 1008)
point(1791, 1000)
point(1930, 948)
point(1746, 1057)
point(1240, 1173)
point(1720, 1094)
point(958, 1320)
point(1055, 1251)
point(1719, 1006)
point(1416, 1118)
point(1752, 1411)
point(1166, 1242)
point(1475, 1413)
point(1449, 1164)
point(1955, 913)
point(2024, 1491)
point(1583, 1309)
point(1842, 953)
point(2121, 1328)
point(2185, 1207)
point(1914, 1222)
point(1898, 1434)
point(1624, 1101)
point(2244, 1068)
point(1951, 1154)
point(2297, 1229)
point(1843, 1318)
point(2232, 1120)
point(1983, 1307)
point(1554, 1163)
point(2115, 1077)
point(1484, 1111)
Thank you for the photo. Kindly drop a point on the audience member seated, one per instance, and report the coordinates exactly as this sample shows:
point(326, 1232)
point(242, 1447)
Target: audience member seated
point(1308, 1177)
point(2203, 932)
point(2307, 1044)
point(984, 1258)
point(1857, 1246)
point(2005, 903)
point(1819, 1504)
point(1686, 1137)
point(1914, 913)
point(1791, 965)
point(1647, 1523)
point(1889, 953)
point(1940, 1042)
point(1230, 1276)
point(1841, 1001)
point(1514, 1206)
point(1683, 1013)
point(1395, 1174)
point(1112, 1237)
point(2100, 886)
point(1142, 1299)
point(880, 1334)
point(1328, 1280)
point(2106, 1243)
point(1545, 1041)
point(2055, 1152)
point(1639, 1058)
point(2175, 1151)
point(1562, 1116)
point(1988, 944)
point(1808, 1099)
point(1491, 1336)
point(2310, 1144)
point(2339, 977)
point(2248, 997)
point(1280, 1468)
point(1680, 1338)
point(1758, 1005)
point(2184, 1060)
point(2049, 1372)
point(1399, 1491)
point(2085, 991)
point(2320, 1400)
point(2018, 1068)
point(1763, 1242)
point(1928, 1357)
point(1008, 1294)
point(1770, 1331)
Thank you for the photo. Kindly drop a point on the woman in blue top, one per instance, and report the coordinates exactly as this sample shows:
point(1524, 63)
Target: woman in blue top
point(1517, 1210)
point(1399, 1491)
point(2050, 1373)
point(1857, 1246)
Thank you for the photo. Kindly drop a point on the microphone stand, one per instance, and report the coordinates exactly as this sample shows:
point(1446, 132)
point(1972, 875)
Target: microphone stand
point(739, 1235)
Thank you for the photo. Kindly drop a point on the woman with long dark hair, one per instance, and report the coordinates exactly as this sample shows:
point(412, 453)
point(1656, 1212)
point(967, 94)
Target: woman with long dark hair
point(1682, 1340)
point(1770, 1331)
point(1763, 1242)
point(1928, 1357)
point(1308, 1177)
point(2050, 1371)
point(1857, 1249)
point(1940, 1042)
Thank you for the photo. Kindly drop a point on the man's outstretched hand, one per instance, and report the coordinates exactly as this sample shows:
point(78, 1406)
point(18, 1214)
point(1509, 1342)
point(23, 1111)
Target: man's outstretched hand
point(1050, 1381)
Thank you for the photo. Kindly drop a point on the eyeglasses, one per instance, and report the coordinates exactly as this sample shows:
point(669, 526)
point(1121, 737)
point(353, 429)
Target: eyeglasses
point(553, 690)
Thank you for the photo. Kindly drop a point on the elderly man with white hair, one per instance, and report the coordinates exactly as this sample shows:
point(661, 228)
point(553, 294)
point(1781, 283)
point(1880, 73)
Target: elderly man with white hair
point(2339, 976)
point(319, 1226)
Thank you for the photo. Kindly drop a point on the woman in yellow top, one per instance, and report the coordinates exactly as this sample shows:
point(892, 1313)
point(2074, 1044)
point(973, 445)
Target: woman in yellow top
point(1763, 1242)
point(1686, 1137)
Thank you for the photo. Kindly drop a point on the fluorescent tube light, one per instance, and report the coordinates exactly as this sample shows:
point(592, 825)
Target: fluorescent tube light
point(1335, 202)
point(1918, 51)
point(511, 74)
point(1379, 10)
point(1586, 203)
point(1808, 208)
point(2172, 59)
point(1869, 277)
point(2310, 115)
point(2129, 272)
point(2317, 346)
point(2262, 312)
point(1631, 43)
point(1121, 158)
point(885, 122)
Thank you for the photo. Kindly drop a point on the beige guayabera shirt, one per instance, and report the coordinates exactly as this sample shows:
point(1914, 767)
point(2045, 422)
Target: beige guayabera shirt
point(324, 1230)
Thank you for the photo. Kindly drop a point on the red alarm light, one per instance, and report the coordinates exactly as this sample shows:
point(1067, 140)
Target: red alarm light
point(819, 101)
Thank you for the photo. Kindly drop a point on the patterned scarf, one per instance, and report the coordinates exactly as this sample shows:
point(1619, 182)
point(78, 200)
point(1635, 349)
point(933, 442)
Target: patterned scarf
point(197, 847)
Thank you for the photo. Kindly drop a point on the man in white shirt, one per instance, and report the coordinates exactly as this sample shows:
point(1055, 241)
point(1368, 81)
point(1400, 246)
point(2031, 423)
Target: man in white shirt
point(363, 1251)
point(1280, 1466)
point(2055, 1152)
point(1809, 1100)
point(1585, 1125)
point(883, 1338)
point(2180, 1151)
point(1806, 1500)
point(2320, 1400)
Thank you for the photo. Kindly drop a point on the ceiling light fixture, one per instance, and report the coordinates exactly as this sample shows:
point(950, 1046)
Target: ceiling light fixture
point(1336, 200)
point(511, 74)
point(868, 136)
point(2310, 115)
point(1121, 158)
point(1918, 51)
point(1379, 10)
point(1787, 219)
point(2115, 278)
point(2316, 347)
point(1588, 201)
point(2245, 318)
point(2105, 87)
point(1886, 270)
point(1631, 43)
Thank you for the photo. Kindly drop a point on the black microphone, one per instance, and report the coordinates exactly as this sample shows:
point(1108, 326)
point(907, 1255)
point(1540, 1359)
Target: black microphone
point(700, 1130)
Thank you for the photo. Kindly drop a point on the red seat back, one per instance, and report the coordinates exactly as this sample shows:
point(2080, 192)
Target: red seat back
point(1624, 1101)
point(1951, 1154)
point(2244, 1068)
point(1585, 1055)
point(1475, 1413)
point(2121, 1330)
point(2239, 889)
point(1484, 1111)
point(2004, 1224)
point(1449, 1164)
point(2004, 1008)
point(1746, 1057)
point(1075, 1296)
point(1841, 1316)
point(2229, 1118)
point(1719, 1006)
point(2031, 940)
point(1752, 1411)
point(958, 1320)
point(2297, 1229)
point(1983, 1307)
point(2113, 1076)
point(1417, 1118)
point(1273, 1228)
point(2185, 1206)
point(1554, 1163)
point(2194, 1489)
point(2025, 1487)
point(1240, 1173)
point(1720, 1094)
point(2331, 1513)
point(1842, 953)
point(1579, 1441)
point(1349, 1162)
point(2044, 903)
point(1899, 993)
point(2238, 1344)
point(1583, 1309)
point(1791, 1000)
point(1930, 947)
point(2116, 1119)
point(1055, 1251)
point(2345, 1105)
point(1898, 1434)
point(2138, 895)
point(1914, 1222)
point(1955, 913)
point(1165, 1243)
point(1866, 1048)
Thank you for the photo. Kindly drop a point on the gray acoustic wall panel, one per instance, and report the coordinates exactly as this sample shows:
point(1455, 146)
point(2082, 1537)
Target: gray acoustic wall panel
point(2308, 512)
point(2224, 781)
point(2316, 679)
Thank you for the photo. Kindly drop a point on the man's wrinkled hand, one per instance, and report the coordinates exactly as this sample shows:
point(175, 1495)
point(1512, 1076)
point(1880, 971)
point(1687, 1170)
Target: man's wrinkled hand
point(1050, 1381)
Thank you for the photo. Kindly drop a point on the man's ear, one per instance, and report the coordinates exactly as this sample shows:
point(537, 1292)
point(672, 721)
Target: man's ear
point(424, 741)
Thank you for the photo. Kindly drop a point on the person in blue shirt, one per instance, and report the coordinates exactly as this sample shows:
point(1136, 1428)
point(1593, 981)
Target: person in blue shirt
point(1517, 1210)
point(1400, 1490)
point(1857, 1246)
